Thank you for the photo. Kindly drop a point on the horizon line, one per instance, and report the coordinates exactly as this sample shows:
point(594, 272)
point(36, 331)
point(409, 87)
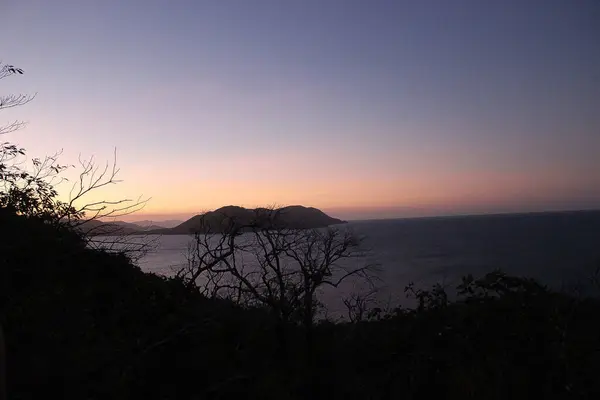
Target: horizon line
point(448, 215)
point(483, 214)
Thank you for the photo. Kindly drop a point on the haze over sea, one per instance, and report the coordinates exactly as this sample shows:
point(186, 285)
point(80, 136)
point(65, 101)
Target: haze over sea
point(560, 249)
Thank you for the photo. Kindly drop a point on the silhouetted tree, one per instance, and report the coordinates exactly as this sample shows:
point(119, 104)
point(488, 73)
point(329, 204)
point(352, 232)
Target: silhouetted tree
point(8, 152)
point(263, 263)
point(359, 306)
point(33, 190)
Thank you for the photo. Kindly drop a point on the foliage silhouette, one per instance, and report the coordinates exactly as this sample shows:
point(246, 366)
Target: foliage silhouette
point(83, 323)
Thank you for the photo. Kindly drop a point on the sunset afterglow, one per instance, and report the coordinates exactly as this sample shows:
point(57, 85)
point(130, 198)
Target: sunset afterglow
point(361, 109)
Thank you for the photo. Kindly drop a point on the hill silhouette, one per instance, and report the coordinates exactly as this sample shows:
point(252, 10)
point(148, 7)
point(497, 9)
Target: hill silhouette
point(291, 217)
point(169, 223)
point(97, 321)
point(103, 228)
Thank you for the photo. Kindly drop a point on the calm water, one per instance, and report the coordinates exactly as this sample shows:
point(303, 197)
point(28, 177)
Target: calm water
point(560, 249)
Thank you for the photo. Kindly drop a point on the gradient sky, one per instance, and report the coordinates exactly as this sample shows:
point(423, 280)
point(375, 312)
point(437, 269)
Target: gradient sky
point(361, 108)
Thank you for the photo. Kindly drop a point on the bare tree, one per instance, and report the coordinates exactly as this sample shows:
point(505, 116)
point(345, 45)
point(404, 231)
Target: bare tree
point(32, 190)
point(359, 306)
point(92, 178)
point(98, 219)
point(264, 263)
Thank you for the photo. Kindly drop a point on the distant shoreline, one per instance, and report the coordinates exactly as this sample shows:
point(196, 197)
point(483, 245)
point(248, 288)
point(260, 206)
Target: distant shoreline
point(432, 218)
point(491, 215)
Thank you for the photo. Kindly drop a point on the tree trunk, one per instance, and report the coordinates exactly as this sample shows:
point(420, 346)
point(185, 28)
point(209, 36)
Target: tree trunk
point(308, 321)
point(312, 378)
point(281, 329)
point(2, 366)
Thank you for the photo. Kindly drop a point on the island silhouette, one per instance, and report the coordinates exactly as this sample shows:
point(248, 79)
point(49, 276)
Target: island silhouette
point(219, 220)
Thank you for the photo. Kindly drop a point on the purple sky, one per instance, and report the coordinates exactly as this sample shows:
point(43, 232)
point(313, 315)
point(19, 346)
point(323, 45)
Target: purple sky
point(361, 108)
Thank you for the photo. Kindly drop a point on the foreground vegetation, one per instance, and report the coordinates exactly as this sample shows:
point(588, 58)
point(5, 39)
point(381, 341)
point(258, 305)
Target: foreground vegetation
point(83, 323)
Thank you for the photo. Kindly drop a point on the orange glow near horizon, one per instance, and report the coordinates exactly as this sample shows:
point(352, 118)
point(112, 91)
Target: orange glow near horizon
point(463, 118)
point(419, 195)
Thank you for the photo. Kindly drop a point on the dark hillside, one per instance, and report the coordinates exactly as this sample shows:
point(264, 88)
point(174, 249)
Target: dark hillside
point(81, 323)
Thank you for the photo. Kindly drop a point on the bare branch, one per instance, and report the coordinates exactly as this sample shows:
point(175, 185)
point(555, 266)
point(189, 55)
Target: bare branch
point(12, 126)
point(15, 100)
point(263, 263)
point(12, 100)
point(359, 304)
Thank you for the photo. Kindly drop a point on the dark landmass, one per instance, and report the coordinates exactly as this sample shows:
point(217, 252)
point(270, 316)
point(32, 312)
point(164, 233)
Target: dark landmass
point(169, 223)
point(82, 323)
point(291, 217)
point(102, 228)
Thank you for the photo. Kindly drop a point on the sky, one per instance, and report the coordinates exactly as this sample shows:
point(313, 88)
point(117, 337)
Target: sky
point(364, 109)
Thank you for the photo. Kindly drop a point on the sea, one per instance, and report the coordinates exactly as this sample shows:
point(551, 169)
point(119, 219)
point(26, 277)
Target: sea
point(559, 249)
